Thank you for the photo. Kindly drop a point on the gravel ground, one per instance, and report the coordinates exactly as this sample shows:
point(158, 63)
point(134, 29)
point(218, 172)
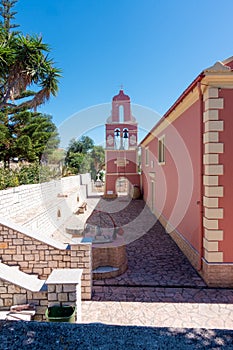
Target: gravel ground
point(53, 336)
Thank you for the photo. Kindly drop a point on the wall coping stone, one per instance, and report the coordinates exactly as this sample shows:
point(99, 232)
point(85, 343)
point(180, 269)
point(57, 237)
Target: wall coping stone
point(13, 275)
point(33, 234)
point(65, 276)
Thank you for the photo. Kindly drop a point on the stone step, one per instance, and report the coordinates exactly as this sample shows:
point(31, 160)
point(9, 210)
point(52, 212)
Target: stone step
point(105, 269)
point(13, 275)
point(103, 272)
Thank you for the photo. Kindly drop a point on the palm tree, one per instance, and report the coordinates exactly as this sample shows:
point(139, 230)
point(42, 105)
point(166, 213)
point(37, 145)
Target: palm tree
point(25, 66)
point(24, 63)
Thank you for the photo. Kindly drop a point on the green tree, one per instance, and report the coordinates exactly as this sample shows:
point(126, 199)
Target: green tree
point(83, 156)
point(7, 14)
point(82, 145)
point(24, 65)
point(77, 156)
point(27, 135)
point(57, 156)
point(97, 160)
point(76, 161)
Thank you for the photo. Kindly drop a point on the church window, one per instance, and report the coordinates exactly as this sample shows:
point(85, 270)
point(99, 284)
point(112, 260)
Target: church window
point(121, 114)
point(161, 150)
point(147, 156)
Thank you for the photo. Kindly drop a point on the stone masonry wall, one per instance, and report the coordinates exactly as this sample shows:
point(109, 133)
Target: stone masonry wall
point(28, 196)
point(14, 295)
point(65, 294)
point(43, 207)
point(36, 257)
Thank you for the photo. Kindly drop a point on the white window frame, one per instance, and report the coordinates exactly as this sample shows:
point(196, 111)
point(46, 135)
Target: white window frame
point(146, 156)
point(161, 150)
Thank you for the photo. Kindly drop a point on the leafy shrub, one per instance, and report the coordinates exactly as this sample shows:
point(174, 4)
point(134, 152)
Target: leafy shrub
point(8, 178)
point(29, 174)
point(26, 175)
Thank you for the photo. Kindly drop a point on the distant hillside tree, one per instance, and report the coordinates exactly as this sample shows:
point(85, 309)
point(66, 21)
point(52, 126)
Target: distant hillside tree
point(83, 156)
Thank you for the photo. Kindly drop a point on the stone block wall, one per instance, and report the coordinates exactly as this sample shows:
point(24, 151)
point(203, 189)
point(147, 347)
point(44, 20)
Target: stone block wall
point(37, 257)
point(109, 255)
point(217, 275)
point(15, 295)
point(65, 294)
point(29, 196)
point(11, 295)
point(37, 206)
point(62, 293)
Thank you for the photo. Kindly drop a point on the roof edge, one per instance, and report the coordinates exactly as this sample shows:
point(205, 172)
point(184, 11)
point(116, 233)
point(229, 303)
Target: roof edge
point(175, 104)
point(227, 60)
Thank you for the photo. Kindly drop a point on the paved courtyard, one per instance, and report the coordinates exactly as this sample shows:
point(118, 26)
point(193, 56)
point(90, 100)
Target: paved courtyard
point(160, 287)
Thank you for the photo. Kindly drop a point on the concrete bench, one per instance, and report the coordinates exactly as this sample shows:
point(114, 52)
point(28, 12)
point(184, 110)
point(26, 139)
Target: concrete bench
point(82, 208)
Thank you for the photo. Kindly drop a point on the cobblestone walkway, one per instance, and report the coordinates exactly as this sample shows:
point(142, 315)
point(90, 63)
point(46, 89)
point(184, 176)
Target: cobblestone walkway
point(160, 287)
point(155, 260)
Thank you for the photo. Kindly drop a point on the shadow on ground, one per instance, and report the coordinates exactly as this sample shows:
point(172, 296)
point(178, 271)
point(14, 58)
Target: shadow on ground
point(157, 269)
point(33, 335)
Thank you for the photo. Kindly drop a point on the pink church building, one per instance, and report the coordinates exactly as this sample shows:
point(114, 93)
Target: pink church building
point(186, 168)
point(187, 173)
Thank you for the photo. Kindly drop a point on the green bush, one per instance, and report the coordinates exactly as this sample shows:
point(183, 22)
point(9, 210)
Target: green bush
point(29, 174)
point(26, 175)
point(13, 180)
point(8, 178)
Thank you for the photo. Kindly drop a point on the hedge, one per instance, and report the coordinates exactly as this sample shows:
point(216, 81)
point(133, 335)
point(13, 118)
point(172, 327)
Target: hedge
point(25, 175)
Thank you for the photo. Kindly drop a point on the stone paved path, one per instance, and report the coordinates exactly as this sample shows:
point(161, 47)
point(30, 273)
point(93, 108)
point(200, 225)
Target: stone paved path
point(181, 315)
point(155, 260)
point(160, 287)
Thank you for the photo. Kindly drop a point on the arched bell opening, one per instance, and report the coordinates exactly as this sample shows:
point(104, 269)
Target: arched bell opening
point(117, 138)
point(125, 139)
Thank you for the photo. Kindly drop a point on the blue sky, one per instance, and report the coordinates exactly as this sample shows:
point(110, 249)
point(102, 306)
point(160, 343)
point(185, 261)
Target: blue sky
point(154, 48)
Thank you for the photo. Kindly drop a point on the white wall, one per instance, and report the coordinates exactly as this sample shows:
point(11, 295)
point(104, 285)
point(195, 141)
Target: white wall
point(37, 206)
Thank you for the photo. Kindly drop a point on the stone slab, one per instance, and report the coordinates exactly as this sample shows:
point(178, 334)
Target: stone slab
point(65, 276)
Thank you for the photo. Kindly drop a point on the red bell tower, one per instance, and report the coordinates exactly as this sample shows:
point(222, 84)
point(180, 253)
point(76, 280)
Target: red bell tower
point(121, 145)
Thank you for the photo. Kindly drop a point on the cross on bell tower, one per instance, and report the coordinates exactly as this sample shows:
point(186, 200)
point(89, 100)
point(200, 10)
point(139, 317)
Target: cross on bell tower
point(121, 145)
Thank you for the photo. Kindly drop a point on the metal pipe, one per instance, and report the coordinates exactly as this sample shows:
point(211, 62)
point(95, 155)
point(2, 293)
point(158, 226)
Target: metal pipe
point(200, 240)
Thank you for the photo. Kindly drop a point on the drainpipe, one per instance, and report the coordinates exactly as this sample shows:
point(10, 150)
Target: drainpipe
point(201, 229)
